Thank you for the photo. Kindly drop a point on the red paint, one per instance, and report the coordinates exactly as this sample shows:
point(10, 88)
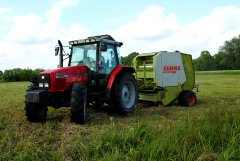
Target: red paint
point(61, 79)
point(171, 69)
point(113, 75)
point(191, 100)
point(160, 105)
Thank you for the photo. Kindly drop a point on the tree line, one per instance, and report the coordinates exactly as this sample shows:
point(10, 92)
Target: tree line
point(207, 62)
point(227, 58)
point(17, 74)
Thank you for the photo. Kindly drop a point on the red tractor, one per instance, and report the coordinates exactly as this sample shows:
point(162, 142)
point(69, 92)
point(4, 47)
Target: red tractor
point(94, 75)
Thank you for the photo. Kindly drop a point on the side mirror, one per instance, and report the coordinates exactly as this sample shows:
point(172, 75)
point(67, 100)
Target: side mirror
point(103, 46)
point(56, 51)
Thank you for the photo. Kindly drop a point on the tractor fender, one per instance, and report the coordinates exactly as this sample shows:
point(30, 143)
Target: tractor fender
point(117, 71)
point(113, 76)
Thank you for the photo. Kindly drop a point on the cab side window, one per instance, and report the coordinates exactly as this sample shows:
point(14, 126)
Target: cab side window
point(119, 56)
point(107, 60)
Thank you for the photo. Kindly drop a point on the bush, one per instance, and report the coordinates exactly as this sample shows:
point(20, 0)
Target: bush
point(12, 75)
point(127, 60)
point(1, 74)
point(17, 74)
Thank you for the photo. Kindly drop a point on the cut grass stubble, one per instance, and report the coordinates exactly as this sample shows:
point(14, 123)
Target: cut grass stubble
point(208, 131)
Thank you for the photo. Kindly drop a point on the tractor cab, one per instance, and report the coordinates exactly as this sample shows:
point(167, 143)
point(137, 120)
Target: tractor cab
point(99, 53)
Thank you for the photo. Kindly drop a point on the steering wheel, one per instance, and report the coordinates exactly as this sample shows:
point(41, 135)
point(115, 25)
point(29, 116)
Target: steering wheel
point(91, 62)
point(81, 62)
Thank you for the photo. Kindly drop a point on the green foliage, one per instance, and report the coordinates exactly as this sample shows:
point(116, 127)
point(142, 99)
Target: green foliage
point(1, 74)
point(208, 131)
point(204, 62)
point(12, 75)
point(127, 60)
point(221, 62)
point(232, 50)
point(17, 74)
point(228, 57)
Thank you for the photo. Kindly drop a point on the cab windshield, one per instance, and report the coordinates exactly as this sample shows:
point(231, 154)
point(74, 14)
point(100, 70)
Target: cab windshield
point(84, 54)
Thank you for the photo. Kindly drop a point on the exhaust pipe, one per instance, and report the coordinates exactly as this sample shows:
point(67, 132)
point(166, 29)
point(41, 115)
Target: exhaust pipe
point(60, 54)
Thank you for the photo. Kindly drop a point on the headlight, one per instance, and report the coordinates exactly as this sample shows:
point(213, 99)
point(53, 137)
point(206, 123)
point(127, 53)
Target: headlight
point(46, 85)
point(44, 81)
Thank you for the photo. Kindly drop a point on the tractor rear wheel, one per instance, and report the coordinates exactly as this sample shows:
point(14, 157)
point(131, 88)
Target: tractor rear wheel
point(187, 98)
point(35, 112)
point(125, 93)
point(78, 103)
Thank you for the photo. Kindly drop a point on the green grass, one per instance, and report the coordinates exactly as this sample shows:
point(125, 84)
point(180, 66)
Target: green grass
point(219, 72)
point(2, 81)
point(208, 131)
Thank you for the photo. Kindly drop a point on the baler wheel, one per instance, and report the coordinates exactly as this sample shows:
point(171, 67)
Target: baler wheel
point(78, 103)
point(159, 104)
point(187, 98)
point(125, 93)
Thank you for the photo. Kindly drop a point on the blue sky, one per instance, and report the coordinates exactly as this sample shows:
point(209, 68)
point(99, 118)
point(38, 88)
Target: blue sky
point(29, 30)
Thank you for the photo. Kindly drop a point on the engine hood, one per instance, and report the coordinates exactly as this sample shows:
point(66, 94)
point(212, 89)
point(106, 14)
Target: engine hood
point(67, 70)
point(61, 79)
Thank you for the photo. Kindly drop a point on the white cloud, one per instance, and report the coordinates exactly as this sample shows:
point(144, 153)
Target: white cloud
point(30, 44)
point(149, 24)
point(152, 30)
point(4, 10)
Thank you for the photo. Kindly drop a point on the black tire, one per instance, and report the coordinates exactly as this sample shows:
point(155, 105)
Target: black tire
point(32, 87)
point(187, 99)
point(35, 112)
point(125, 93)
point(78, 103)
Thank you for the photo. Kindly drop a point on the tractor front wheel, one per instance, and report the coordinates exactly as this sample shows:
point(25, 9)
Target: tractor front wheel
point(125, 93)
point(78, 103)
point(187, 99)
point(35, 112)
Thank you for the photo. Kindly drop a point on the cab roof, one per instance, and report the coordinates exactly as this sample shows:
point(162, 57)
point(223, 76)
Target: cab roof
point(98, 38)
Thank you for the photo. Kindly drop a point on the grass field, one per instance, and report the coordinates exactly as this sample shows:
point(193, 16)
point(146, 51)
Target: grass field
point(208, 131)
point(219, 72)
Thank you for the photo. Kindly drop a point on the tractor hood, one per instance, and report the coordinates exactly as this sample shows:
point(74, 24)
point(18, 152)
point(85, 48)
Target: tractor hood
point(66, 71)
point(61, 79)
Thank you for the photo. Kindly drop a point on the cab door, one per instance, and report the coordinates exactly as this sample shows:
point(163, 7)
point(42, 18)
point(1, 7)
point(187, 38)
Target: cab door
point(107, 61)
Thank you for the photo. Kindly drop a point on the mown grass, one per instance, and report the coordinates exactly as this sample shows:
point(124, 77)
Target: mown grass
point(208, 131)
point(219, 72)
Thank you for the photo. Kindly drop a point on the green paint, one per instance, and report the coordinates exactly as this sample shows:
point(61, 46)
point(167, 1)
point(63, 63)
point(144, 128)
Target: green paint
point(189, 72)
point(145, 66)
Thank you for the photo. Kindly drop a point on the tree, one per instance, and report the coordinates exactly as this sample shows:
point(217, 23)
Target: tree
point(232, 50)
point(1, 74)
point(127, 60)
point(34, 75)
point(12, 75)
point(204, 62)
point(18, 74)
point(227, 58)
point(221, 61)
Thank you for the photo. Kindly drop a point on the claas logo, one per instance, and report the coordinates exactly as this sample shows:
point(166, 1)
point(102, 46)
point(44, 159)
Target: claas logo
point(171, 69)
